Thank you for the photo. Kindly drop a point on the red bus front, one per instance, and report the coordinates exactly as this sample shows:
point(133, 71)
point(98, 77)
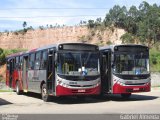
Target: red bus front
point(78, 73)
point(130, 86)
point(67, 87)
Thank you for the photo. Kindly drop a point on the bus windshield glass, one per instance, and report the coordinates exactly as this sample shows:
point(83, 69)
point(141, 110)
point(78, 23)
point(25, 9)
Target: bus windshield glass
point(78, 63)
point(133, 64)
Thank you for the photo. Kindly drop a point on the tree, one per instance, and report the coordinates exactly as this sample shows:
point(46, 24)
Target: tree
point(2, 56)
point(24, 24)
point(81, 22)
point(116, 16)
point(84, 22)
point(142, 23)
point(131, 20)
point(41, 27)
point(30, 28)
point(107, 21)
point(127, 38)
point(91, 24)
point(98, 21)
point(51, 26)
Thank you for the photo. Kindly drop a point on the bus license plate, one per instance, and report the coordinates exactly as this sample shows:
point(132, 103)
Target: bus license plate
point(135, 89)
point(81, 90)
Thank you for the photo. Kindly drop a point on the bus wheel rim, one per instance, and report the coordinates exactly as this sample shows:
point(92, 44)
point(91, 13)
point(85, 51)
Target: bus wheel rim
point(17, 88)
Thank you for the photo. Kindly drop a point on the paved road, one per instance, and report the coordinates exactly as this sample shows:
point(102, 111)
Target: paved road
point(31, 103)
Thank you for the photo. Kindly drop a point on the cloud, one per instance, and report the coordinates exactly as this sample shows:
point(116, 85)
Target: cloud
point(29, 15)
point(32, 16)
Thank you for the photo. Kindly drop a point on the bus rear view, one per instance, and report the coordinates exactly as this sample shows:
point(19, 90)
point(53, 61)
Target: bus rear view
point(129, 71)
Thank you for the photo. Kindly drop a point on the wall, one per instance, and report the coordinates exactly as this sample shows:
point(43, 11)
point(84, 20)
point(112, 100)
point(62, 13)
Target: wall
point(155, 79)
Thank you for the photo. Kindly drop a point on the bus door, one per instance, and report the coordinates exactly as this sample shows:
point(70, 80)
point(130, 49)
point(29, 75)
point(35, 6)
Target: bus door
point(51, 71)
point(106, 71)
point(25, 73)
point(11, 70)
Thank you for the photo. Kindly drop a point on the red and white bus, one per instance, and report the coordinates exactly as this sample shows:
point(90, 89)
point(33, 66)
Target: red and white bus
point(68, 69)
point(125, 69)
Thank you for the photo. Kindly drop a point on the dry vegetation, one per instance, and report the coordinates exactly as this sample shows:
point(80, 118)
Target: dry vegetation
point(37, 38)
point(2, 73)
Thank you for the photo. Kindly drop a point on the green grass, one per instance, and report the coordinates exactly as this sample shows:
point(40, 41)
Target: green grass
point(155, 60)
point(1, 79)
point(5, 90)
point(156, 86)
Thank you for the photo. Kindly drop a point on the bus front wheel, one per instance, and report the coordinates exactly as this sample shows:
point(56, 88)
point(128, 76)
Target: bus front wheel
point(126, 95)
point(44, 93)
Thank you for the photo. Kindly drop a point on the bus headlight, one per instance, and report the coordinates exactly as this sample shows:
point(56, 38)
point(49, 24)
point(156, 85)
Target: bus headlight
point(120, 83)
point(147, 83)
point(98, 83)
point(64, 85)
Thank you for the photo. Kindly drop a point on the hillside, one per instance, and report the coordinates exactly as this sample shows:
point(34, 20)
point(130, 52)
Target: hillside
point(37, 38)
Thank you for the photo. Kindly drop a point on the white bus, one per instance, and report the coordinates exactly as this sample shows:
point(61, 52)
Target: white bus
point(68, 69)
point(125, 69)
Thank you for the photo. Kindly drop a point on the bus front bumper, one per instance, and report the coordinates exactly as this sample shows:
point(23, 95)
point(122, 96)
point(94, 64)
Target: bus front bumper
point(63, 91)
point(118, 89)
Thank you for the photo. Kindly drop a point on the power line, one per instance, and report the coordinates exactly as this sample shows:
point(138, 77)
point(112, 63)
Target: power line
point(46, 8)
point(55, 16)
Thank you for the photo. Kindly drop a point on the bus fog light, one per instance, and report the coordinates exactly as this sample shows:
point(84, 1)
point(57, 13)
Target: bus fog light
point(65, 85)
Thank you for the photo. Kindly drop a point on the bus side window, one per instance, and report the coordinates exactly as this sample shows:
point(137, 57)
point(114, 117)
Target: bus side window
point(8, 65)
point(43, 62)
point(31, 61)
point(37, 61)
point(17, 63)
point(13, 64)
point(20, 63)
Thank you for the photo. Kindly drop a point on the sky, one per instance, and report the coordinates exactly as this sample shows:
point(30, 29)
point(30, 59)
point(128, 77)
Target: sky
point(68, 12)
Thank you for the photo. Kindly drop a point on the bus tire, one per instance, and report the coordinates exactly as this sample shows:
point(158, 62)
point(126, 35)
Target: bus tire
point(18, 91)
point(126, 95)
point(44, 94)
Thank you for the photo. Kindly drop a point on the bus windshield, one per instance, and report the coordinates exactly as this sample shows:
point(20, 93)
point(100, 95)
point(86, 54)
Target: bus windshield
point(133, 64)
point(78, 63)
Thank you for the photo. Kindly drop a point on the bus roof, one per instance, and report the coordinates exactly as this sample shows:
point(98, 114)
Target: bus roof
point(111, 47)
point(46, 47)
point(15, 54)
